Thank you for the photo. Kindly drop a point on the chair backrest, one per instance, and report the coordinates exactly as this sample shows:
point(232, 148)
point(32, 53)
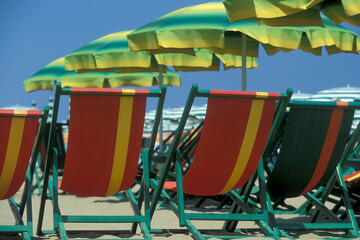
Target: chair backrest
point(313, 144)
point(234, 135)
point(104, 140)
point(18, 130)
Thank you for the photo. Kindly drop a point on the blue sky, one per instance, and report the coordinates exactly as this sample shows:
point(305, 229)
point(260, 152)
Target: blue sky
point(34, 33)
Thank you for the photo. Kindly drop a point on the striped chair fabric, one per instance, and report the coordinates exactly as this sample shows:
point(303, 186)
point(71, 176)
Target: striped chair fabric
point(18, 129)
point(233, 138)
point(313, 143)
point(105, 134)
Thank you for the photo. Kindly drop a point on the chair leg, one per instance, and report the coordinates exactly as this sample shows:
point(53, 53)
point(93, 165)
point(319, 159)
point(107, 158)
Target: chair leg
point(143, 225)
point(230, 226)
point(43, 201)
point(54, 196)
point(346, 200)
point(44, 196)
point(267, 221)
point(267, 208)
point(144, 196)
point(29, 205)
point(193, 230)
point(306, 206)
point(319, 202)
point(160, 185)
point(27, 231)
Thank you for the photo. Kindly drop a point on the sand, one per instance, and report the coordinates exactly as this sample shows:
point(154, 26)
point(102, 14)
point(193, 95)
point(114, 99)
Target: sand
point(163, 219)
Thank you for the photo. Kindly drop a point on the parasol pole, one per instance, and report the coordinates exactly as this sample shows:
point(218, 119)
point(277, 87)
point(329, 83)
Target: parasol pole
point(243, 68)
point(161, 143)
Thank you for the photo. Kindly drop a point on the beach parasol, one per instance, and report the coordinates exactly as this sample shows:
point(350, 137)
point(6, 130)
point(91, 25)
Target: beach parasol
point(55, 72)
point(206, 26)
point(294, 13)
point(112, 51)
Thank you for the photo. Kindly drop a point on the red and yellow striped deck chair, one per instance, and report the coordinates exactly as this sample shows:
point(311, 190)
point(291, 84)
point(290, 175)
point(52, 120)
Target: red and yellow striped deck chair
point(234, 135)
point(315, 143)
point(20, 137)
point(104, 144)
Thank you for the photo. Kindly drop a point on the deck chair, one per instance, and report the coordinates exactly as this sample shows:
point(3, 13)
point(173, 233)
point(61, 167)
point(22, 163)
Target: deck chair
point(235, 132)
point(315, 143)
point(104, 144)
point(20, 138)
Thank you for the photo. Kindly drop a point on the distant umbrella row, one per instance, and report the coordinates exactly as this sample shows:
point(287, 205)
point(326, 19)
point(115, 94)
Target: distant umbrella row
point(344, 94)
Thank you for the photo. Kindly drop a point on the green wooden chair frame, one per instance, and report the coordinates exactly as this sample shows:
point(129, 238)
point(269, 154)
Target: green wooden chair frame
point(245, 99)
point(61, 154)
point(139, 97)
point(26, 127)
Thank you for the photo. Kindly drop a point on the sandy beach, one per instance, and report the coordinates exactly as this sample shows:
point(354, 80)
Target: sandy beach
point(163, 219)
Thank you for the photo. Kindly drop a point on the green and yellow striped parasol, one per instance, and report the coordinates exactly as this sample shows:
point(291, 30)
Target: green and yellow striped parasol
point(112, 51)
point(206, 26)
point(55, 72)
point(294, 13)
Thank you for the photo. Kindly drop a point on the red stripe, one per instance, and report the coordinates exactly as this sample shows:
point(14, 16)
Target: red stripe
point(342, 104)
point(260, 142)
point(91, 144)
point(326, 152)
point(33, 113)
point(135, 139)
point(108, 91)
point(6, 112)
point(225, 123)
point(5, 125)
point(27, 143)
point(241, 94)
point(348, 176)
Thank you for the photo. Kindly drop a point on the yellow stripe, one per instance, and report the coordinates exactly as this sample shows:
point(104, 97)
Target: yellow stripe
point(262, 94)
point(20, 113)
point(353, 177)
point(121, 145)
point(129, 92)
point(12, 154)
point(247, 145)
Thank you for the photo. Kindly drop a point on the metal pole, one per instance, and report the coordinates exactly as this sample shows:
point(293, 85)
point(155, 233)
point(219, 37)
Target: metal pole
point(243, 70)
point(161, 142)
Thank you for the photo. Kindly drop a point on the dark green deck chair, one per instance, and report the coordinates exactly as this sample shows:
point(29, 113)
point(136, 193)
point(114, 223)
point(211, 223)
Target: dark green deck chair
point(234, 135)
point(20, 138)
point(104, 144)
point(315, 143)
